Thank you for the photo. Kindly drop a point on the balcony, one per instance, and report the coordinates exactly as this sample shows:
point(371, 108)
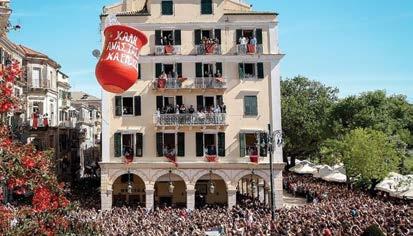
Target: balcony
point(208, 49)
point(161, 50)
point(249, 49)
point(219, 83)
point(195, 119)
point(40, 87)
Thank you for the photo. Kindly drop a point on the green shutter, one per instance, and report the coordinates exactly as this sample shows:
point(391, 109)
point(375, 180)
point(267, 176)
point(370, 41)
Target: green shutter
point(158, 69)
point(221, 144)
point(179, 69)
point(198, 36)
point(206, 6)
point(117, 141)
point(260, 70)
point(181, 144)
point(159, 144)
point(218, 66)
point(241, 70)
point(139, 145)
point(159, 102)
point(158, 36)
point(167, 8)
point(199, 102)
point(179, 100)
point(263, 140)
point(250, 106)
point(241, 144)
point(138, 110)
point(217, 34)
point(198, 70)
point(118, 105)
point(177, 35)
point(238, 35)
point(258, 35)
point(199, 144)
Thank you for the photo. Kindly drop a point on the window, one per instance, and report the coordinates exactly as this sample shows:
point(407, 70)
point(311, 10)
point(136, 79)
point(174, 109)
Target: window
point(167, 37)
point(170, 144)
point(128, 144)
point(251, 70)
point(206, 7)
point(250, 106)
point(36, 78)
point(210, 144)
point(128, 106)
point(248, 143)
point(167, 8)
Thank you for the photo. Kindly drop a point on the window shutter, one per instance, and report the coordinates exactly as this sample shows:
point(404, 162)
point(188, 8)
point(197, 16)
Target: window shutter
point(159, 102)
point(139, 145)
point(118, 105)
point(241, 70)
point(220, 100)
point(199, 144)
point(199, 102)
point(181, 144)
point(221, 144)
point(158, 36)
point(179, 100)
point(263, 139)
point(179, 69)
point(238, 34)
point(198, 35)
point(241, 144)
point(158, 69)
point(139, 71)
point(198, 70)
point(260, 70)
point(117, 144)
point(177, 37)
point(167, 8)
point(250, 106)
point(217, 33)
point(159, 144)
point(218, 66)
point(206, 6)
point(138, 110)
point(258, 35)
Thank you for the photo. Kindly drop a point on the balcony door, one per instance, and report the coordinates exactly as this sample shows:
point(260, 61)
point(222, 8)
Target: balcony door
point(210, 144)
point(36, 78)
point(170, 144)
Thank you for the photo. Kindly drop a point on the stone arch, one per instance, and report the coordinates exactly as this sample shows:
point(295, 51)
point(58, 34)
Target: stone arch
point(219, 173)
point(244, 173)
point(119, 173)
point(160, 173)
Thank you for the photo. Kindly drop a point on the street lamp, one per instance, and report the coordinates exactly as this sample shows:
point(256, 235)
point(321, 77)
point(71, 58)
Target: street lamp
point(274, 139)
point(253, 183)
point(129, 183)
point(171, 186)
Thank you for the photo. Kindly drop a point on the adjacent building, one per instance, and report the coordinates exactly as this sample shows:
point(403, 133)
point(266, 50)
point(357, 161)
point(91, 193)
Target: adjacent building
point(195, 123)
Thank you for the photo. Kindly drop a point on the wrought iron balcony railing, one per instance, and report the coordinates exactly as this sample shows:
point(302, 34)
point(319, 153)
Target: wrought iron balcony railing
point(195, 119)
point(245, 49)
point(167, 50)
point(191, 83)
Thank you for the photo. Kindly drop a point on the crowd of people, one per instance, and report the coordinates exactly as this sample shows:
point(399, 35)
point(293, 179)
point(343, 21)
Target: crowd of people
point(332, 209)
point(183, 109)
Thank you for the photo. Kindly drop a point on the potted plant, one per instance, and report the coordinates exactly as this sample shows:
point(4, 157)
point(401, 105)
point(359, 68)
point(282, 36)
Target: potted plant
point(169, 49)
point(211, 158)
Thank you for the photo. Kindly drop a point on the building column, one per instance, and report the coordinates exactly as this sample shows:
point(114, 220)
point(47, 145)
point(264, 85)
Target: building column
point(278, 189)
point(190, 199)
point(232, 198)
point(149, 197)
point(106, 191)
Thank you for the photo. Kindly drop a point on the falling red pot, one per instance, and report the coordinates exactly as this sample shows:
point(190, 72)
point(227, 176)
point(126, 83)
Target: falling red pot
point(117, 69)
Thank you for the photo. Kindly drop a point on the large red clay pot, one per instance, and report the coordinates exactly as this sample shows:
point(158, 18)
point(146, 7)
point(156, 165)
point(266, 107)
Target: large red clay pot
point(117, 69)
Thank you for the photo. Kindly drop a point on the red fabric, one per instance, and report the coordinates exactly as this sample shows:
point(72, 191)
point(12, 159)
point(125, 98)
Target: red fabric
point(161, 83)
point(169, 49)
point(117, 68)
point(251, 48)
point(45, 122)
point(209, 48)
point(35, 121)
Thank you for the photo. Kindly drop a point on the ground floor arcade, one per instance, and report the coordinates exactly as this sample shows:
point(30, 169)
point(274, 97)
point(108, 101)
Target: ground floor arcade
point(186, 186)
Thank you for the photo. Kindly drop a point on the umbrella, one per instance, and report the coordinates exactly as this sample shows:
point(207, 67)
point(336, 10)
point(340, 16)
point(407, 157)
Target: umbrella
point(335, 177)
point(323, 170)
point(389, 183)
point(305, 169)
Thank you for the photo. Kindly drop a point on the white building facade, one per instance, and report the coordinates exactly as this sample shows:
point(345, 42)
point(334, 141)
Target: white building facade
point(222, 58)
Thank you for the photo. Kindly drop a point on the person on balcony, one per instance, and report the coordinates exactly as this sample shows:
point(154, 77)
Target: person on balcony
point(35, 116)
point(252, 44)
point(191, 109)
point(45, 120)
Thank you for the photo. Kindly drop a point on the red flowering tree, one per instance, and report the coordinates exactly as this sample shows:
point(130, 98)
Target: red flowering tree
point(26, 173)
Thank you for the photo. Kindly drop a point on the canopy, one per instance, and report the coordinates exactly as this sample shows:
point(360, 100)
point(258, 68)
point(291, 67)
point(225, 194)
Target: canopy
point(323, 170)
point(389, 184)
point(303, 169)
point(335, 177)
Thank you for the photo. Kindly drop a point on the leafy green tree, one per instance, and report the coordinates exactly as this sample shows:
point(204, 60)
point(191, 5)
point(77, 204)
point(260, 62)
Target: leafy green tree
point(368, 155)
point(306, 107)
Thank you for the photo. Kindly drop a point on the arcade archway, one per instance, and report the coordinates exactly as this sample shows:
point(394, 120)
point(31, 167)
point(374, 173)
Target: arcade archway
point(170, 191)
point(210, 189)
point(252, 187)
point(129, 190)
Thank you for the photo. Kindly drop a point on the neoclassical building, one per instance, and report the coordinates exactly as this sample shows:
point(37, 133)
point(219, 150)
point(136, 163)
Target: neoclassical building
point(196, 120)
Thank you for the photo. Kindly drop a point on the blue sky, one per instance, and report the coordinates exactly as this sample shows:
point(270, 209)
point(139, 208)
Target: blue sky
point(353, 45)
